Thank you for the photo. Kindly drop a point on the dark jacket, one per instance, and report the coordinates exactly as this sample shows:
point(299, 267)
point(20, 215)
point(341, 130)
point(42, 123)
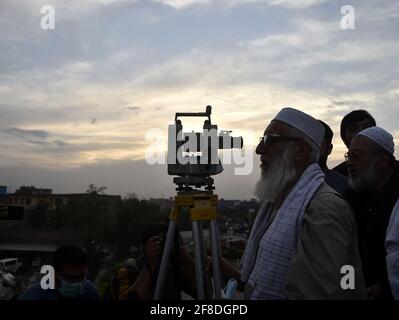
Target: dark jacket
point(337, 181)
point(372, 213)
point(342, 169)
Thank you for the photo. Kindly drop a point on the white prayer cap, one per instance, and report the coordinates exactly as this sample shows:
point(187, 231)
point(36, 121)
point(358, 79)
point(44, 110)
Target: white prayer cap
point(381, 137)
point(303, 122)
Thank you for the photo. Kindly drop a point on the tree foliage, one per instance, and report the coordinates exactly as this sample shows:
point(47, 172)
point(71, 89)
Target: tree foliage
point(99, 218)
point(93, 189)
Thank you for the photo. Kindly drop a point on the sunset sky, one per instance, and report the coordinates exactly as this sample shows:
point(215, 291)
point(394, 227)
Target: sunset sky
point(76, 102)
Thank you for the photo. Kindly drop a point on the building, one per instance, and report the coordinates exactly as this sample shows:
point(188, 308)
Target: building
point(31, 200)
point(15, 210)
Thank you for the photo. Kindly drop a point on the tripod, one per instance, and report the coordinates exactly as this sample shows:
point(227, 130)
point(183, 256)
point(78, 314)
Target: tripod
point(202, 207)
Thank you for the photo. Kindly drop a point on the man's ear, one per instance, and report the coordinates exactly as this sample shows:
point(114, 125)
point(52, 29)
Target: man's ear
point(345, 139)
point(302, 150)
point(384, 160)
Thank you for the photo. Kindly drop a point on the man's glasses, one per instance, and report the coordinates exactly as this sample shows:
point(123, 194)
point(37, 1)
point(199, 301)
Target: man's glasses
point(355, 155)
point(272, 138)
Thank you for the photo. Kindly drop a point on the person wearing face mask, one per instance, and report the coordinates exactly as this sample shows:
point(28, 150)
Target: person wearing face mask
point(71, 283)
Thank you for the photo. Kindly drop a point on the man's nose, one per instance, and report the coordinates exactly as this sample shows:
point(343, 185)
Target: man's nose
point(260, 148)
point(350, 163)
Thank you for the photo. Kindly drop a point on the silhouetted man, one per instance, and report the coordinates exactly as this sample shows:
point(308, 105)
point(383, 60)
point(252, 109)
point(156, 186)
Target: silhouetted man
point(351, 124)
point(371, 168)
point(333, 178)
point(304, 232)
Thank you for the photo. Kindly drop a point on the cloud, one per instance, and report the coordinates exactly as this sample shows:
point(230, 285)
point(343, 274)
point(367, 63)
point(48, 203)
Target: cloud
point(245, 58)
point(135, 109)
point(60, 143)
point(74, 8)
point(38, 142)
point(380, 13)
point(343, 103)
point(292, 4)
point(41, 137)
point(181, 4)
point(26, 134)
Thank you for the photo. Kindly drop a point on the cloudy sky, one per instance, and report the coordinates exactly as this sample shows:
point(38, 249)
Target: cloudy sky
point(76, 102)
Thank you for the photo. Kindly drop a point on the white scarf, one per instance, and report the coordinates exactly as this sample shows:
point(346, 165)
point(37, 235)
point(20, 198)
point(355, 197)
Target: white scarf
point(269, 253)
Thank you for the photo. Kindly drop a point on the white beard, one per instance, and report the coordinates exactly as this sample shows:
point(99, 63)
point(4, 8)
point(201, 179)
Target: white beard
point(275, 179)
point(366, 180)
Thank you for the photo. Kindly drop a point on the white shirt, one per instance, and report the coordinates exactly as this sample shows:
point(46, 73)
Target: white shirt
point(392, 247)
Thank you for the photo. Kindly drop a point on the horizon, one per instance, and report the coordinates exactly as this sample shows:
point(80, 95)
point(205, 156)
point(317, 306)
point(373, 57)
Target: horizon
point(78, 100)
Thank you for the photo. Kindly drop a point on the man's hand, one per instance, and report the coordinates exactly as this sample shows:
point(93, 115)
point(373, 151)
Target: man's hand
point(227, 270)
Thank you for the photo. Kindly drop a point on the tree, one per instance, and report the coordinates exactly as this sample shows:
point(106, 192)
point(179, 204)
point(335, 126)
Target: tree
point(58, 217)
point(133, 217)
point(38, 216)
point(31, 190)
point(93, 215)
point(93, 189)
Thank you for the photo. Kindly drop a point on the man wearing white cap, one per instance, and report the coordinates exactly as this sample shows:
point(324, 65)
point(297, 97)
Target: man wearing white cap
point(371, 168)
point(304, 232)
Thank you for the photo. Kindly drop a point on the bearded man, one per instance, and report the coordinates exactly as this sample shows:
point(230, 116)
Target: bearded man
point(352, 124)
point(304, 233)
point(371, 168)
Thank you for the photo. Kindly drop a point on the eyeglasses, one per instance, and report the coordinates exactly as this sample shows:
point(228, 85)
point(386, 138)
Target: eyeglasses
point(355, 156)
point(272, 138)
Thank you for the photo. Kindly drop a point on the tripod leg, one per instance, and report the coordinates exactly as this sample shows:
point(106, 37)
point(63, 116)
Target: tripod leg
point(203, 247)
point(160, 286)
point(197, 261)
point(215, 259)
point(202, 242)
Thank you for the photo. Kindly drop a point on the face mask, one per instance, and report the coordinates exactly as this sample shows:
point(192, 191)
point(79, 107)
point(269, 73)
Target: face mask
point(71, 289)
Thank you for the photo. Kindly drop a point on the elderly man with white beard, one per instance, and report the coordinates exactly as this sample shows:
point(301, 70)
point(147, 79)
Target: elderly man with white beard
point(371, 168)
point(304, 233)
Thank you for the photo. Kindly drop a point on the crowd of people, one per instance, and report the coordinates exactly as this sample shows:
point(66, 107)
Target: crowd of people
point(313, 221)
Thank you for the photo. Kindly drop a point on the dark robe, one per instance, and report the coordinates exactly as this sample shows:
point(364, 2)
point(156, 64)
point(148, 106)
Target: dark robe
point(372, 213)
point(337, 181)
point(342, 169)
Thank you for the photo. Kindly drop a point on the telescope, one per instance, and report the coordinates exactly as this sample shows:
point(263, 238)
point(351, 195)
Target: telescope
point(193, 156)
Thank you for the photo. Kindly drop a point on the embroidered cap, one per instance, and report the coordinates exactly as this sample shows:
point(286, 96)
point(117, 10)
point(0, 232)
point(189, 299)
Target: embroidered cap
point(380, 136)
point(303, 122)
